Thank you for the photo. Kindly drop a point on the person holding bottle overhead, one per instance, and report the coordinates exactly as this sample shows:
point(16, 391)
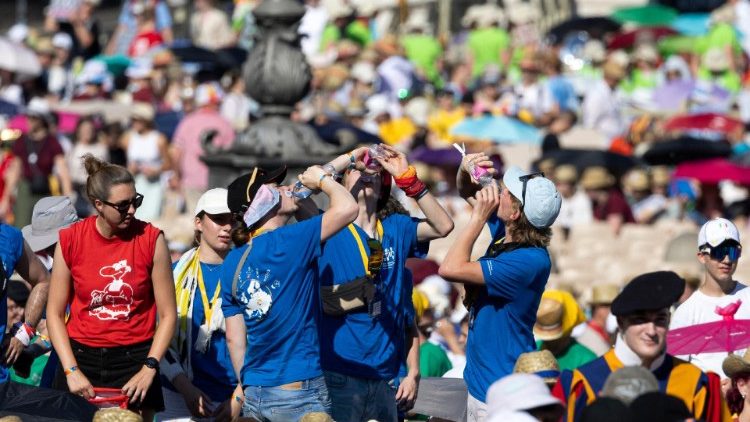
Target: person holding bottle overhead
point(114, 272)
point(365, 289)
point(269, 293)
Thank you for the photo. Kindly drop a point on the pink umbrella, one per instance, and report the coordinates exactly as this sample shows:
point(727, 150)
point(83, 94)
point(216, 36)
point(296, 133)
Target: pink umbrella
point(713, 171)
point(705, 121)
point(725, 335)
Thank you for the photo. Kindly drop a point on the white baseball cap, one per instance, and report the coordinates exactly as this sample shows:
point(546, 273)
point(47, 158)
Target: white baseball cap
point(517, 392)
point(62, 40)
point(718, 231)
point(214, 201)
point(541, 201)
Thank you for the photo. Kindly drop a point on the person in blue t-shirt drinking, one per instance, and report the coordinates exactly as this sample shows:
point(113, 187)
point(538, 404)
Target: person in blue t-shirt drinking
point(197, 364)
point(503, 288)
point(365, 289)
point(269, 294)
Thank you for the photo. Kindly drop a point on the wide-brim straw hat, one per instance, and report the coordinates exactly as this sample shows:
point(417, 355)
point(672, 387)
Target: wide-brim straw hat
point(734, 364)
point(541, 363)
point(604, 294)
point(597, 178)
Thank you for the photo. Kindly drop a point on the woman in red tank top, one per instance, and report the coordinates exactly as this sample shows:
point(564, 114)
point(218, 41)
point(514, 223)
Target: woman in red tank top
point(115, 274)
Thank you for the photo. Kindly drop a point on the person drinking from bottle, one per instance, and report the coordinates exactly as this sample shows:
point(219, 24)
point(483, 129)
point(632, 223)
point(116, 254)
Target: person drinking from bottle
point(365, 289)
point(269, 294)
point(503, 288)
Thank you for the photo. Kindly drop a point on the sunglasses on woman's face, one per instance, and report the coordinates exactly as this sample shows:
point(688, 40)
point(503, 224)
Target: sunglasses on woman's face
point(124, 206)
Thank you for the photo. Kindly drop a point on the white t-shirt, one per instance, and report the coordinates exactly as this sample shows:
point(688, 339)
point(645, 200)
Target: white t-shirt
point(700, 309)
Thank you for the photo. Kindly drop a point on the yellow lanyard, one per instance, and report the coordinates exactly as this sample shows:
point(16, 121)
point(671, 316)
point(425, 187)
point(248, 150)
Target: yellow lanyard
point(361, 246)
point(207, 307)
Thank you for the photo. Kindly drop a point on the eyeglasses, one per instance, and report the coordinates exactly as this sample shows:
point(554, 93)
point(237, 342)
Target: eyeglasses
point(525, 179)
point(375, 261)
point(124, 207)
point(719, 252)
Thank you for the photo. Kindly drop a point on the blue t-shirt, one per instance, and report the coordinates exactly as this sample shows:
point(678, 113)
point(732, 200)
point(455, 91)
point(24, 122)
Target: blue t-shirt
point(563, 93)
point(212, 371)
point(357, 344)
point(501, 320)
point(11, 249)
point(277, 295)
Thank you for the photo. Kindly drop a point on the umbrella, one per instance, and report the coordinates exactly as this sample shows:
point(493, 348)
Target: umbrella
point(116, 64)
point(677, 44)
point(714, 170)
point(335, 131)
point(584, 158)
point(19, 59)
point(650, 15)
point(691, 24)
point(725, 335)
point(628, 39)
point(685, 149)
point(500, 129)
point(445, 157)
point(711, 122)
point(596, 27)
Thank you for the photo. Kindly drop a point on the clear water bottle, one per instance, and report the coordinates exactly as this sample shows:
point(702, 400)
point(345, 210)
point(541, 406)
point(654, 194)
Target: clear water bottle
point(482, 175)
point(374, 152)
point(301, 191)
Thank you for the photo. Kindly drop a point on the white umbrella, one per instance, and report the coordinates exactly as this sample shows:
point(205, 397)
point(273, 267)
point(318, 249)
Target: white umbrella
point(18, 58)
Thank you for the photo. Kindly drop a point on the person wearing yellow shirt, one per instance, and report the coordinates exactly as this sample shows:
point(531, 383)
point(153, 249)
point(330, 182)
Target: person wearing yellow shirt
point(445, 117)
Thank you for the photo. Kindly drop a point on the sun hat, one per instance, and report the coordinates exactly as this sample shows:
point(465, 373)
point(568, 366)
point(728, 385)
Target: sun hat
point(603, 294)
point(734, 364)
point(557, 315)
point(18, 33)
point(597, 178)
point(566, 173)
point(38, 107)
point(638, 180)
point(613, 70)
point(540, 363)
point(420, 301)
point(510, 416)
point(542, 201)
point(646, 53)
point(629, 382)
point(213, 201)
point(62, 40)
point(363, 72)
point(649, 292)
point(660, 176)
point(241, 192)
point(594, 51)
point(516, 392)
point(716, 232)
point(50, 215)
point(142, 111)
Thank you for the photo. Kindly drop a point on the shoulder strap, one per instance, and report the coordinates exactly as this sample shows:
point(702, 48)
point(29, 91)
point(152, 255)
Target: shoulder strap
point(239, 267)
point(361, 247)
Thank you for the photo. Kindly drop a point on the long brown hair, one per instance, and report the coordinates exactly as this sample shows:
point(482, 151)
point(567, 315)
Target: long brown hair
point(102, 176)
point(735, 401)
point(521, 230)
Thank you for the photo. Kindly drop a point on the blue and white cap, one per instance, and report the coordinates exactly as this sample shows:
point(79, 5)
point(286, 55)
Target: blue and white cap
point(541, 204)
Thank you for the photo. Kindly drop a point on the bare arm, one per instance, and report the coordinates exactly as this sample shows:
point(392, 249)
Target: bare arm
point(62, 171)
point(409, 387)
point(236, 343)
point(166, 159)
point(457, 265)
point(343, 209)
point(112, 44)
point(32, 270)
point(60, 285)
point(12, 175)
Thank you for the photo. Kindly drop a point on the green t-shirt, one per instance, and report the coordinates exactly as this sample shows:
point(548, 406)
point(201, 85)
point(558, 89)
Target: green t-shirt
point(640, 80)
point(486, 45)
point(728, 80)
point(433, 361)
point(572, 357)
point(355, 31)
point(424, 51)
point(719, 36)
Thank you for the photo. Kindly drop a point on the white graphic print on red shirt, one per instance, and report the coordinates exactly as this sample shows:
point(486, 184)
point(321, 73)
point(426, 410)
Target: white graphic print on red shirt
point(115, 300)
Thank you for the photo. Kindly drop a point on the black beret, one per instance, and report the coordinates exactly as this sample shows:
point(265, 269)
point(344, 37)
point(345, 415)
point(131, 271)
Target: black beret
point(659, 407)
point(243, 189)
point(649, 292)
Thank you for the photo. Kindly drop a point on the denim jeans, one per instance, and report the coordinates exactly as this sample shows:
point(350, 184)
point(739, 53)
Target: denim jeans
point(281, 405)
point(358, 399)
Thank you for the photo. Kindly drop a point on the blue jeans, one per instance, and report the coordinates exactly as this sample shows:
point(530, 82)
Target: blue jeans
point(359, 399)
point(279, 404)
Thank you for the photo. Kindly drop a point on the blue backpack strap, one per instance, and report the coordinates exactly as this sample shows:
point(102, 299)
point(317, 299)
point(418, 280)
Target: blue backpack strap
point(240, 264)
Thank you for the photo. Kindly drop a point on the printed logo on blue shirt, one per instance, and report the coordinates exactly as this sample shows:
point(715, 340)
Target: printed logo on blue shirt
point(389, 258)
point(489, 266)
point(258, 296)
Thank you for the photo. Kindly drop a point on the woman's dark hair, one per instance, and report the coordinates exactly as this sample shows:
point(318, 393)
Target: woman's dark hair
point(240, 232)
point(81, 122)
point(393, 206)
point(735, 401)
point(522, 231)
point(102, 176)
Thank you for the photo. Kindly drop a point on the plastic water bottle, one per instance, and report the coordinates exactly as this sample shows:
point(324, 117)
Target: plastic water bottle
point(301, 191)
point(482, 175)
point(373, 153)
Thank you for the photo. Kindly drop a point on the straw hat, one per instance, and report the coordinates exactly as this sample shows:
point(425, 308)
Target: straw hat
point(603, 294)
point(566, 173)
point(646, 53)
point(614, 70)
point(541, 363)
point(597, 178)
point(716, 60)
point(116, 415)
point(660, 175)
point(549, 317)
point(637, 180)
point(523, 13)
point(734, 364)
point(142, 111)
point(594, 51)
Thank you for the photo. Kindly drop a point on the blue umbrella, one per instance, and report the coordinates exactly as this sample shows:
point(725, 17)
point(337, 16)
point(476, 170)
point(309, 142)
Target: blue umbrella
point(691, 24)
point(499, 129)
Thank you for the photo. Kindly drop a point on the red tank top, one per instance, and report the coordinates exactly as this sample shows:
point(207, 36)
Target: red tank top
point(112, 301)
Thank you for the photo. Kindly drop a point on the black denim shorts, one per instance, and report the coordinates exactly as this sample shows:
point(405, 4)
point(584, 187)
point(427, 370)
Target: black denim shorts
point(113, 367)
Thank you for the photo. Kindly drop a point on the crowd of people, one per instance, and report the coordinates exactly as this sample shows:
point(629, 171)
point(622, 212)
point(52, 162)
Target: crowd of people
point(124, 268)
